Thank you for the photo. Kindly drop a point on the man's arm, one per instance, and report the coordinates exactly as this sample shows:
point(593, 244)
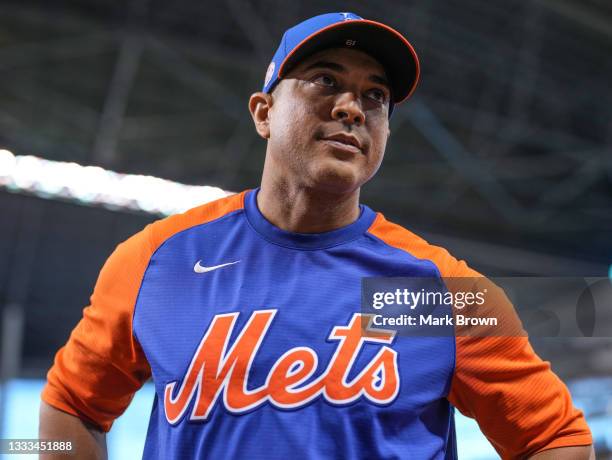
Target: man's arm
point(96, 374)
point(88, 442)
point(566, 453)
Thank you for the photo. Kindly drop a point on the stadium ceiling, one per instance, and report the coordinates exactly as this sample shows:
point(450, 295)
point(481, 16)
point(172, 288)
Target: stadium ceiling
point(508, 138)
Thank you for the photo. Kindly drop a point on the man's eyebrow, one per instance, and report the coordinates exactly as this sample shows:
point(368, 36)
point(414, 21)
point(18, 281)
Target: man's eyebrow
point(326, 65)
point(381, 80)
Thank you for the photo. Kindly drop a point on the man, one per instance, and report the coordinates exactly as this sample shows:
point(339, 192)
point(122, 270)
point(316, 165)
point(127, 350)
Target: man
point(246, 311)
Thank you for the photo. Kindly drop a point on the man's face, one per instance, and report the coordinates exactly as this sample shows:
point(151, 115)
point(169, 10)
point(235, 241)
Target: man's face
point(328, 122)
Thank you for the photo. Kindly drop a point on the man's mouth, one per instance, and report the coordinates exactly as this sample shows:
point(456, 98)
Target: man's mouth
point(343, 141)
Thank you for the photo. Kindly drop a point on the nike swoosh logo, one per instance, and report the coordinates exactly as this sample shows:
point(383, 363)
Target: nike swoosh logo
point(201, 269)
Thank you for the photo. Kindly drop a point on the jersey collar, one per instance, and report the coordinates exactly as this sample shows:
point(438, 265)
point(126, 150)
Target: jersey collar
point(307, 241)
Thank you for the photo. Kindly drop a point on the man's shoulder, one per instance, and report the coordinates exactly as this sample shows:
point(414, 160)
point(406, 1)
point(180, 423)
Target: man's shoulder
point(394, 233)
point(400, 237)
point(149, 239)
point(161, 230)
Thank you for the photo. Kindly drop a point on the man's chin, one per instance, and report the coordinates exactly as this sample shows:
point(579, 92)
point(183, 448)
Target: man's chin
point(336, 177)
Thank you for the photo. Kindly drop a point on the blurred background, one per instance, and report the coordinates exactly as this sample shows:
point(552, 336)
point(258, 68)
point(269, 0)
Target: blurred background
point(113, 114)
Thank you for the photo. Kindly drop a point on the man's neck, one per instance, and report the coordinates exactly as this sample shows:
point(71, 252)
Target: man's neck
point(304, 210)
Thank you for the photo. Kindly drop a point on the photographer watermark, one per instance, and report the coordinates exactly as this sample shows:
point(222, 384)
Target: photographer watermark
point(508, 306)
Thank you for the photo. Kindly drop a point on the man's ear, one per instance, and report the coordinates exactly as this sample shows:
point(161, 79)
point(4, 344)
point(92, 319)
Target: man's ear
point(259, 106)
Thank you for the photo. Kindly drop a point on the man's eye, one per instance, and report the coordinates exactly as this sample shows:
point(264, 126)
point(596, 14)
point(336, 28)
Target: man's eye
point(377, 95)
point(325, 80)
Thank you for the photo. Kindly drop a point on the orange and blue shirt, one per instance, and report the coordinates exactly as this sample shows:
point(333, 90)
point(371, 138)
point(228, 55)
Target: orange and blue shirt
point(253, 339)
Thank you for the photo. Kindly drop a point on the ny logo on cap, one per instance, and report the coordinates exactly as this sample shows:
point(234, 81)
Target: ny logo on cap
point(346, 16)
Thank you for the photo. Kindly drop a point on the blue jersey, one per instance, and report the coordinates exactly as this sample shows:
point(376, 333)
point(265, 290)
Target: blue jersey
point(257, 346)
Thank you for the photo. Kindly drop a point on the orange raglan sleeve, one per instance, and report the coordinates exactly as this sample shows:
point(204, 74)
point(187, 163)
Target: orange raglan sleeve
point(95, 375)
point(521, 406)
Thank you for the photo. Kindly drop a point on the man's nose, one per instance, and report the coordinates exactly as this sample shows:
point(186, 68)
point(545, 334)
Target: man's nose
point(348, 110)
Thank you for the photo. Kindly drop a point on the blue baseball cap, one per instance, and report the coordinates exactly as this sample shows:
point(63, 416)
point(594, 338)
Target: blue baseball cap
point(348, 30)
